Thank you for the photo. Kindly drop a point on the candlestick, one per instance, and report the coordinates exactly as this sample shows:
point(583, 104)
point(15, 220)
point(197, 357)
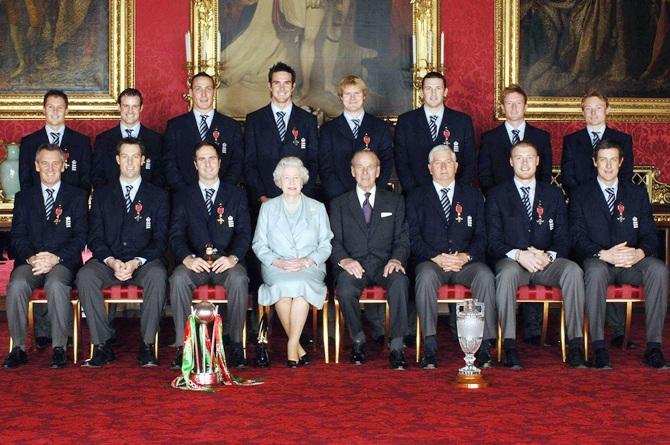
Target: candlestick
point(442, 48)
point(218, 43)
point(429, 57)
point(187, 37)
point(413, 49)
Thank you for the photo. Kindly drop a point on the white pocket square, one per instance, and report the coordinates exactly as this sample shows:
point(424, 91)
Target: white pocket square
point(385, 214)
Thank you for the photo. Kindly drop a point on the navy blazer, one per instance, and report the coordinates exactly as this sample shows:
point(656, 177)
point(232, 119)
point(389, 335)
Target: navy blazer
point(413, 142)
point(181, 137)
point(593, 228)
point(105, 168)
point(495, 152)
point(119, 234)
point(192, 229)
point(577, 162)
point(77, 148)
point(337, 146)
point(32, 233)
point(508, 225)
point(372, 245)
point(264, 149)
point(429, 232)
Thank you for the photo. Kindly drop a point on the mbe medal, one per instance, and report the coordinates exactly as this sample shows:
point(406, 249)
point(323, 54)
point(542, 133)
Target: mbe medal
point(540, 212)
point(459, 210)
point(66, 156)
point(446, 133)
point(58, 212)
point(138, 210)
point(219, 211)
point(366, 140)
point(620, 209)
point(216, 134)
point(295, 134)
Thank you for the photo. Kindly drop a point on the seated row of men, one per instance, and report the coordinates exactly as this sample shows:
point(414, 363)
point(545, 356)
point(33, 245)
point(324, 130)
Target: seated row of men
point(444, 232)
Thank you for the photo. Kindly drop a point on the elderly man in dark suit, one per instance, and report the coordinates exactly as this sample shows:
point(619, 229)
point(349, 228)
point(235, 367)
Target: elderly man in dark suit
point(202, 123)
point(209, 233)
point(105, 169)
point(614, 235)
point(374, 252)
point(577, 169)
point(76, 147)
point(47, 237)
point(418, 131)
point(128, 237)
point(448, 238)
point(527, 226)
point(275, 131)
point(350, 132)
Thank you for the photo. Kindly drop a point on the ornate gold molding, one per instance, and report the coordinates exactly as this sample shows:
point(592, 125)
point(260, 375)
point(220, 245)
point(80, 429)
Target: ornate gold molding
point(121, 75)
point(426, 36)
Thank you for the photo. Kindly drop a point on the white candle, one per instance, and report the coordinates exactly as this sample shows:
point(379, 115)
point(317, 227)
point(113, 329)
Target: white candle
point(204, 47)
point(429, 57)
point(413, 49)
point(188, 47)
point(218, 42)
point(442, 49)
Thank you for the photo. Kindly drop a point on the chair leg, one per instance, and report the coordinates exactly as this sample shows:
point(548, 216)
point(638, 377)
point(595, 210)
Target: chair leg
point(418, 338)
point(315, 326)
point(244, 339)
point(563, 333)
point(156, 346)
point(500, 342)
point(337, 331)
point(586, 336)
point(75, 331)
point(626, 332)
point(324, 332)
point(11, 343)
point(545, 322)
point(387, 323)
point(31, 326)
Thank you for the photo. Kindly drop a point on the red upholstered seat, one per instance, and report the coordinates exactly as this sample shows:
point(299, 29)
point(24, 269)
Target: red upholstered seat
point(376, 293)
point(210, 292)
point(538, 292)
point(617, 292)
point(453, 292)
point(39, 295)
point(118, 292)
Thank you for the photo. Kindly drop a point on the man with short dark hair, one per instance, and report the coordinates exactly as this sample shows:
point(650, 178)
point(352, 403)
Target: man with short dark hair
point(48, 234)
point(614, 236)
point(275, 131)
point(210, 233)
point(202, 123)
point(105, 169)
point(128, 238)
point(419, 130)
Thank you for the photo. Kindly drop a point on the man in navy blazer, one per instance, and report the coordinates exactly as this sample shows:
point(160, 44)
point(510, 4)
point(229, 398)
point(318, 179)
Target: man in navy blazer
point(275, 131)
point(76, 147)
point(210, 232)
point(371, 247)
point(350, 132)
point(105, 169)
point(47, 237)
point(418, 131)
point(128, 237)
point(527, 224)
point(202, 123)
point(614, 236)
point(448, 239)
point(496, 145)
point(577, 160)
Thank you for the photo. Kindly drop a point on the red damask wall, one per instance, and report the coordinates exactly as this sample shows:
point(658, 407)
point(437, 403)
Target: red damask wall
point(470, 46)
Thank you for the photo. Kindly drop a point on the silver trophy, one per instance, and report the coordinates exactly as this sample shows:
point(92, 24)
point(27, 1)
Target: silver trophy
point(470, 325)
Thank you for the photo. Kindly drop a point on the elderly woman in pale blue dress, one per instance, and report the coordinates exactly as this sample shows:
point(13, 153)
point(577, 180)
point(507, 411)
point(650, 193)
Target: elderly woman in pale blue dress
point(292, 242)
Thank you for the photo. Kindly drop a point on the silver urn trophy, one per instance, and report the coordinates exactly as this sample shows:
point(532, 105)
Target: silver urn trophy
point(470, 326)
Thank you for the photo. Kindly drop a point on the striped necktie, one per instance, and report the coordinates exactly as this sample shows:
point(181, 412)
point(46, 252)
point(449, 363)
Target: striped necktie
point(610, 199)
point(433, 127)
point(129, 202)
point(596, 139)
point(203, 127)
point(357, 124)
point(129, 133)
point(515, 137)
point(281, 125)
point(55, 138)
point(208, 200)
point(526, 201)
point(49, 204)
point(446, 203)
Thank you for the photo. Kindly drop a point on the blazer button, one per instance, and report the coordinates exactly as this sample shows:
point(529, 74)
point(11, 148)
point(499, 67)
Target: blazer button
point(125, 243)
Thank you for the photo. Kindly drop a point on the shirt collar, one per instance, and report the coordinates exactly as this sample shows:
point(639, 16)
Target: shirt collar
point(136, 129)
point(215, 186)
point(349, 117)
point(602, 185)
point(55, 188)
point(600, 130)
point(439, 114)
point(531, 184)
point(136, 184)
point(286, 110)
point(60, 132)
point(521, 128)
point(439, 187)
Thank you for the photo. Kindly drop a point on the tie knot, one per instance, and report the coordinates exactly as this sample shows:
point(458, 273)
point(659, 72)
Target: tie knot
point(129, 132)
point(610, 190)
point(445, 191)
point(515, 132)
point(433, 118)
point(356, 122)
point(203, 118)
point(209, 193)
point(50, 192)
point(525, 190)
point(367, 195)
point(281, 114)
point(129, 188)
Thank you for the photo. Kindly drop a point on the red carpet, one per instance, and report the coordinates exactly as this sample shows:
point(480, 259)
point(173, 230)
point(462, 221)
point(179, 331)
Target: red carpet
point(544, 403)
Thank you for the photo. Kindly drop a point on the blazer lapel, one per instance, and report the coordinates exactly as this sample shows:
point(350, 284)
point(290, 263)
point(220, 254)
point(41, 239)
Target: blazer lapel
point(423, 123)
point(193, 124)
point(357, 211)
point(271, 122)
point(434, 199)
point(38, 203)
point(344, 129)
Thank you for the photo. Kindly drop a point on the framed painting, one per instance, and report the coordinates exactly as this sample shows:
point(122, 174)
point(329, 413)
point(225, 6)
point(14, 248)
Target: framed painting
point(323, 40)
point(559, 49)
point(83, 47)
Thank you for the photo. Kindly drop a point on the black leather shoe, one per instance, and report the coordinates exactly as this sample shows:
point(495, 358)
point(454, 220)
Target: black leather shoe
point(58, 358)
point(101, 356)
point(576, 358)
point(292, 363)
point(512, 359)
point(146, 356)
point(654, 358)
point(617, 342)
point(42, 342)
point(237, 359)
point(397, 359)
point(262, 356)
point(601, 359)
point(409, 340)
point(483, 357)
point(428, 361)
point(380, 340)
point(304, 360)
point(358, 354)
point(533, 340)
point(16, 358)
point(176, 363)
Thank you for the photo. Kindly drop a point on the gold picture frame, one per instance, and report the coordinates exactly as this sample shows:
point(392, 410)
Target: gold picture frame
point(83, 105)
point(204, 45)
point(554, 108)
